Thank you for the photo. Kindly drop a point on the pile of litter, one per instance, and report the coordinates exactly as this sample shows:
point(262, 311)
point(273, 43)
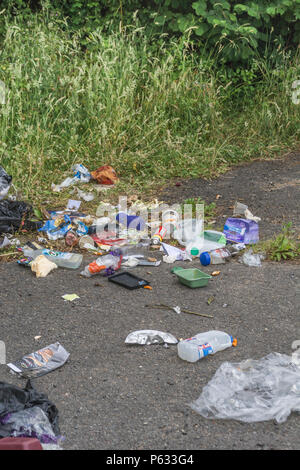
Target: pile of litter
point(120, 240)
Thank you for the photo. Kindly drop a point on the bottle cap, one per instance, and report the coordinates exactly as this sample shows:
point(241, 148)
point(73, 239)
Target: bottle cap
point(194, 251)
point(205, 258)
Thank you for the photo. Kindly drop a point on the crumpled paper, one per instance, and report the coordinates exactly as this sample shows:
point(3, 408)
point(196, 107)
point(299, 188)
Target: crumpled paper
point(42, 266)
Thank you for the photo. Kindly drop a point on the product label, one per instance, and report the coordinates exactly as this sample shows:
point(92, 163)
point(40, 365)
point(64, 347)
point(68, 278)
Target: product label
point(57, 254)
point(204, 350)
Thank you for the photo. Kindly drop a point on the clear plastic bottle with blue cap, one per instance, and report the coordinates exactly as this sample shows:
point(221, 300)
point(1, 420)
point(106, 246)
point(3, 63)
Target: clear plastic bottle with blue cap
point(204, 344)
point(220, 255)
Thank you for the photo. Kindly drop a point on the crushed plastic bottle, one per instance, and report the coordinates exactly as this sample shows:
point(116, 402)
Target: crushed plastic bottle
point(102, 263)
point(220, 255)
point(203, 344)
point(169, 225)
point(61, 259)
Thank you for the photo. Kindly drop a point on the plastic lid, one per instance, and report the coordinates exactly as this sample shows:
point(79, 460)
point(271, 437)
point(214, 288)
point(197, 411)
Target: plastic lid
point(194, 251)
point(205, 258)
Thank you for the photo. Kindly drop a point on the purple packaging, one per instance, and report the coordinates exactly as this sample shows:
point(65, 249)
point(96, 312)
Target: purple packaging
point(241, 230)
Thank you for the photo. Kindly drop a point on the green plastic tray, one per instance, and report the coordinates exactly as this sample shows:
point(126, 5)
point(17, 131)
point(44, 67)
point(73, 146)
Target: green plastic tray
point(192, 277)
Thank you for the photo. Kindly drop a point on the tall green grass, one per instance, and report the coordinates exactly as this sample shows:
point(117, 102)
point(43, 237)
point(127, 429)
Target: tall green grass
point(151, 110)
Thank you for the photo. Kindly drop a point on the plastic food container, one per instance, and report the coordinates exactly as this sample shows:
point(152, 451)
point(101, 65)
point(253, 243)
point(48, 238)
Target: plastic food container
point(192, 277)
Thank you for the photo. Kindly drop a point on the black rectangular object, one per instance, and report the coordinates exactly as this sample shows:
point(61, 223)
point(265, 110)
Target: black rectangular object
point(128, 280)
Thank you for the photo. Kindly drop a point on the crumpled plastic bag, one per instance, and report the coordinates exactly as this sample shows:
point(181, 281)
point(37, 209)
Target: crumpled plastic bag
point(146, 337)
point(14, 399)
point(251, 259)
point(105, 175)
point(30, 422)
point(42, 266)
point(81, 174)
point(242, 210)
point(252, 390)
point(5, 182)
point(15, 215)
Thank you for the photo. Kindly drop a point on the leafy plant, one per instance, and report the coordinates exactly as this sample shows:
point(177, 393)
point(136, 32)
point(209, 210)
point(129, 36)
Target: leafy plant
point(283, 246)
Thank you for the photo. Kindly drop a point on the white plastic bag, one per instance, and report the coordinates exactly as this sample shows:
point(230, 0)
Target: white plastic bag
point(252, 390)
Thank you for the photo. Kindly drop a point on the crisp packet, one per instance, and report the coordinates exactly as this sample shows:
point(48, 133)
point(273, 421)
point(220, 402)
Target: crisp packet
point(40, 362)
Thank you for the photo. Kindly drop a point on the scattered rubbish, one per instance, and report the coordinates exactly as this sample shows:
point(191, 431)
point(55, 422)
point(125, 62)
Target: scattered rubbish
point(220, 255)
point(16, 417)
point(216, 273)
point(42, 266)
point(108, 263)
point(188, 230)
point(147, 337)
point(71, 238)
point(251, 259)
point(191, 277)
point(70, 297)
point(30, 422)
point(207, 241)
point(203, 344)
point(241, 231)
point(86, 242)
point(210, 300)
point(242, 210)
point(81, 174)
point(40, 362)
point(15, 216)
point(252, 390)
point(20, 443)
point(174, 254)
point(178, 310)
point(170, 219)
point(131, 221)
point(5, 182)
point(73, 205)
point(37, 337)
point(4, 241)
point(86, 196)
point(128, 280)
point(61, 259)
point(105, 175)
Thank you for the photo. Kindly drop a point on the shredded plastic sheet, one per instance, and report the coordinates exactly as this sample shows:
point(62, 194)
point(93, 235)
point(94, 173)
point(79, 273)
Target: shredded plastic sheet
point(252, 390)
point(146, 337)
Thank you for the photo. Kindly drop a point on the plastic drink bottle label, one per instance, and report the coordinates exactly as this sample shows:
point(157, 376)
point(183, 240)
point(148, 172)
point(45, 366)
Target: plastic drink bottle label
point(57, 254)
point(203, 349)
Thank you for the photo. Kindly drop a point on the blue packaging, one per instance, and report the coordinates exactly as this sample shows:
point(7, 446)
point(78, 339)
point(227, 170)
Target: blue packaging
point(241, 230)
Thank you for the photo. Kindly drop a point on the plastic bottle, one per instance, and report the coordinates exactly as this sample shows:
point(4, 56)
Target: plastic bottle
point(220, 255)
point(203, 344)
point(169, 224)
point(209, 240)
point(61, 259)
point(101, 263)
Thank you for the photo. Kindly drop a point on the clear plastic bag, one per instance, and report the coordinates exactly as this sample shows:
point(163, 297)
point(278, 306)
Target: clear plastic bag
point(252, 390)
